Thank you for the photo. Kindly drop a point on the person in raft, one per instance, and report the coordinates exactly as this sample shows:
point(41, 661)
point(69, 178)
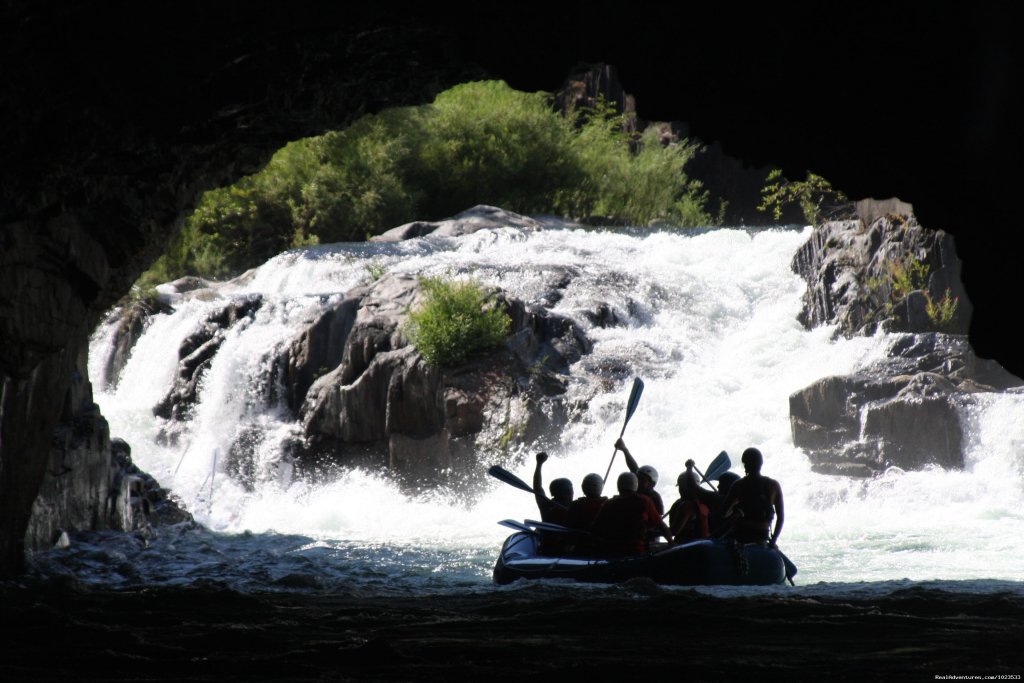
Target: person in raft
point(624, 520)
point(583, 512)
point(688, 516)
point(753, 501)
point(646, 475)
point(554, 509)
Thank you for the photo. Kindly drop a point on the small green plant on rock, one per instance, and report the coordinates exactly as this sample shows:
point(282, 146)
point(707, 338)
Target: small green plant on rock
point(907, 276)
point(911, 274)
point(901, 277)
point(376, 270)
point(942, 312)
point(456, 320)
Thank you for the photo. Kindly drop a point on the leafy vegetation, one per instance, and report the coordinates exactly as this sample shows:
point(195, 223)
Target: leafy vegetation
point(942, 313)
point(456, 320)
point(908, 275)
point(477, 143)
point(815, 196)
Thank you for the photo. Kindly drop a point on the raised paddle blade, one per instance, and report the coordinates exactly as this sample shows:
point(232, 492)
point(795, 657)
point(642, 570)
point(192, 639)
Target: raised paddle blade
point(719, 466)
point(634, 400)
point(509, 478)
point(631, 404)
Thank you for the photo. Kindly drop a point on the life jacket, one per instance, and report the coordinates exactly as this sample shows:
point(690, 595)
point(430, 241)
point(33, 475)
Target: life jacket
point(655, 497)
point(622, 524)
point(696, 527)
point(756, 503)
point(583, 512)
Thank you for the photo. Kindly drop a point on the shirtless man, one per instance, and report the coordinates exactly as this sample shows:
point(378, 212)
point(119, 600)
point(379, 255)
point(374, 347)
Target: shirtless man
point(758, 498)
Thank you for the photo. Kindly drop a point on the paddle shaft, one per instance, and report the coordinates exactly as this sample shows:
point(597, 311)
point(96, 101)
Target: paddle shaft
point(634, 399)
point(615, 452)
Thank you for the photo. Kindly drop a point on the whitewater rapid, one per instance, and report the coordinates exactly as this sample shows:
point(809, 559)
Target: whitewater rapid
point(709, 325)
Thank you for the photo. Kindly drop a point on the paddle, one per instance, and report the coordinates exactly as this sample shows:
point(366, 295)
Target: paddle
point(718, 466)
point(634, 399)
point(512, 480)
point(551, 526)
point(790, 567)
point(531, 524)
point(509, 478)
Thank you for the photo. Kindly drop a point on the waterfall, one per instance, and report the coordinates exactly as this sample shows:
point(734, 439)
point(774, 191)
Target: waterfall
point(707, 318)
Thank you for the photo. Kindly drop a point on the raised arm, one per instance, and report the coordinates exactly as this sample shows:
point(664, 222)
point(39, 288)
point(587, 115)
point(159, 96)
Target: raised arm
point(630, 462)
point(538, 483)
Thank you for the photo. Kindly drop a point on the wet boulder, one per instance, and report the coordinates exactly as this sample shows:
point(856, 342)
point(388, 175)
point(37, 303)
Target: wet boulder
point(383, 403)
point(904, 411)
point(479, 217)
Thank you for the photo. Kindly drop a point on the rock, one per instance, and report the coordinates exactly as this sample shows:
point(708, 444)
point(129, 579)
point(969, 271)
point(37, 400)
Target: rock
point(420, 459)
point(850, 268)
point(904, 411)
point(590, 84)
point(883, 270)
point(383, 403)
point(131, 322)
point(318, 350)
point(90, 483)
point(478, 218)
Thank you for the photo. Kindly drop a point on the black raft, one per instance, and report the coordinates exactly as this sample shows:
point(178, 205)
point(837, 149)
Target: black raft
point(707, 562)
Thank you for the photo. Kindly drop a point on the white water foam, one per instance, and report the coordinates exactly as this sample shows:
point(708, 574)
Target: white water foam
point(709, 324)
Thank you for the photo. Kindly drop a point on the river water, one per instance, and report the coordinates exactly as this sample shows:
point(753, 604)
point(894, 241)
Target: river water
point(709, 325)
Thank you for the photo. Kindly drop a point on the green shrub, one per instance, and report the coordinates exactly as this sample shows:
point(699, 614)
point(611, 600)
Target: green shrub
point(942, 313)
point(477, 143)
point(815, 196)
point(456, 320)
point(908, 275)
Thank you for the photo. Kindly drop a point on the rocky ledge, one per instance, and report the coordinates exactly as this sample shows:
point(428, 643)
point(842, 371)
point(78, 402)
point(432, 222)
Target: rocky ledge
point(883, 271)
point(91, 482)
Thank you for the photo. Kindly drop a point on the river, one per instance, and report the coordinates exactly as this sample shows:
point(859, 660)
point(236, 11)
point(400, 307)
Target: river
point(708, 322)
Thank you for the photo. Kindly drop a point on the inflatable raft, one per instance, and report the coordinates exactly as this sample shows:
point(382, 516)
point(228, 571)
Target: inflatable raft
point(697, 563)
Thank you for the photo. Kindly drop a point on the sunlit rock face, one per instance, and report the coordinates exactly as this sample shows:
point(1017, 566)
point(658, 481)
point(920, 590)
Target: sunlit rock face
point(880, 270)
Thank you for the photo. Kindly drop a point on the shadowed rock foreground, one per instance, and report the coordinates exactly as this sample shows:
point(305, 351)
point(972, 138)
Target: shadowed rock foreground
point(507, 635)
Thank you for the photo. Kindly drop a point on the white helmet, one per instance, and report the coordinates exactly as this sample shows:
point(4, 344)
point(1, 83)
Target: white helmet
point(649, 472)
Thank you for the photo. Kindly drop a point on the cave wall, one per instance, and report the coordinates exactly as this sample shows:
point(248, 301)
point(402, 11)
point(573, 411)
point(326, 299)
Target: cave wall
point(117, 115)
